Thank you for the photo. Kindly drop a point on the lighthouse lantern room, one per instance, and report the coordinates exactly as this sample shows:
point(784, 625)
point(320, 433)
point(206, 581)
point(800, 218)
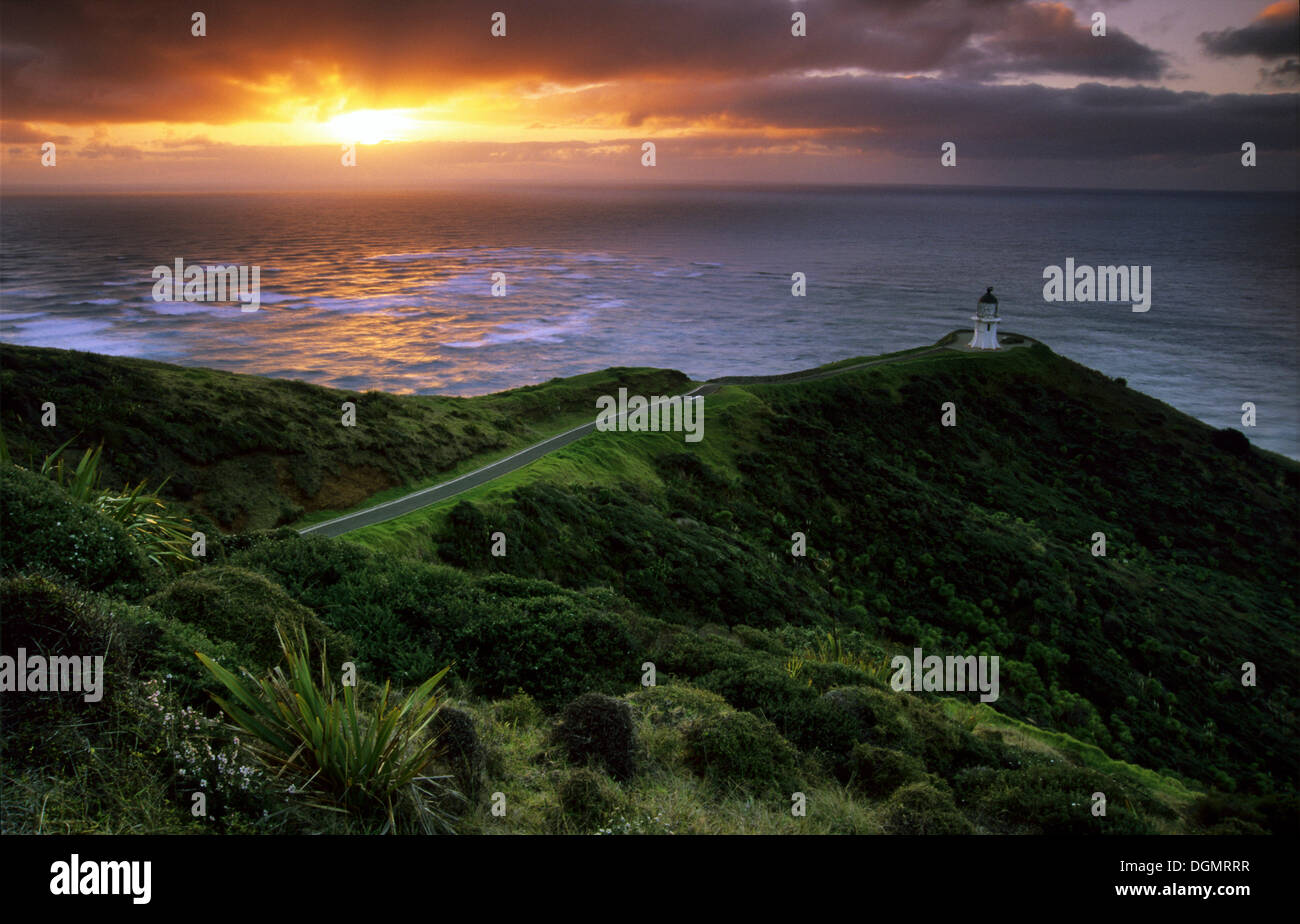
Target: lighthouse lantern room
point(986, 323)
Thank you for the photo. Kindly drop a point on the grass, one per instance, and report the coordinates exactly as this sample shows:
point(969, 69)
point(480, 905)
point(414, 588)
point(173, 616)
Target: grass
point(624, 458)
point(252, 452)
point(1172, 791)
point(664, 798)
point(629, 458)
point(553, 427)
point(630, 546)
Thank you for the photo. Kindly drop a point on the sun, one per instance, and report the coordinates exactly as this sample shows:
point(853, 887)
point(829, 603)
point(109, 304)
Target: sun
point(370, 126)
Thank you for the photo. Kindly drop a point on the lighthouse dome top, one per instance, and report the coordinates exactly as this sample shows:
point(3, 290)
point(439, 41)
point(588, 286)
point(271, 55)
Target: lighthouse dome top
point(988, 304)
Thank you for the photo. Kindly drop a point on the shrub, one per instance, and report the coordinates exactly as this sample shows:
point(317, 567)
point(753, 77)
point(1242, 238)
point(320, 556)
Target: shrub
point(759, 639)
point(738, 749)
point(676, 704)
point(816, 725)
point(824, 675)
point(880, 771)
point(760, 685)
point(877, 715)
point(1278, 814)
point(519, 710)
point(1231, 441)
point(550, 649)
point(599, 728)
point(459, 745)
point(136, 641)
point(44, 529)
point(49, 619)
point(686, 652)
point(242, 607)
point(795, 708)
point(163, 537)
point(587, 798)
point(920, 808)
point(942, 744)
point(1056, 799)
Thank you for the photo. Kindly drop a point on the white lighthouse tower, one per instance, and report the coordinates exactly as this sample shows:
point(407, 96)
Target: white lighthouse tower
point(986, 323)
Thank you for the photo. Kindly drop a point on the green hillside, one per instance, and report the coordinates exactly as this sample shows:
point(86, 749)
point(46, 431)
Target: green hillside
point(1120, 674)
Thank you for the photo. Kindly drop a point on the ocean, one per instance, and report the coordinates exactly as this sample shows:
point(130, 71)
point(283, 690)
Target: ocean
point(393, 291)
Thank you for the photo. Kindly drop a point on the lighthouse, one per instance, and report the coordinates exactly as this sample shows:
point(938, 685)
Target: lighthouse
point(986, 323)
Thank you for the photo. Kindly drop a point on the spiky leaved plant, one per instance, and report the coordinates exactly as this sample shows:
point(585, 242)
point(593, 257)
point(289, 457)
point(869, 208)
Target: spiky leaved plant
point(163, 537)
point(341, 757)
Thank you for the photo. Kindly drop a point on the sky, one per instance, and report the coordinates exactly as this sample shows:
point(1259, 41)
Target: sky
point(132, 99)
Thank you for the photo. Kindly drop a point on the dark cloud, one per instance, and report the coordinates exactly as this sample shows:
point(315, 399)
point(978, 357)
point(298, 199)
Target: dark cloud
point(1046, 38)
point(912, 117)
point(1275, 33)
point(713, 83)
point(118, 62)
point(1284, 75)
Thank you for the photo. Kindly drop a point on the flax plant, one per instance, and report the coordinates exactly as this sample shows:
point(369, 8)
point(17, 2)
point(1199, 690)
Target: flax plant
point(340, 756)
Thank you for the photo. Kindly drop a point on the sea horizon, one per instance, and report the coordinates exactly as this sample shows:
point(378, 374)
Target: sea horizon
point(392, 291)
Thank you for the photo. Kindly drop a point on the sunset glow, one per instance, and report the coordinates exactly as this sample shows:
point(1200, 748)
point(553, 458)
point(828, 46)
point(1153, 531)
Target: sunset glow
point(370, 126)
point(867, 95)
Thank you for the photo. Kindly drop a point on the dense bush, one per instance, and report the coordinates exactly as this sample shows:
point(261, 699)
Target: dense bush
point(53, 620)
point(459, 746)
point(619, 537)
point(879, 771)
point(1056, 799)
point(740, 750)
point(988, 558)
point(1231, 441)
point(399, 613)
point(242, 607)
point(598, 728)
point(676, 704)
point(920, 808)
point(1279, 814)
point(44, 529)
point(587, 798)
point(551, 649)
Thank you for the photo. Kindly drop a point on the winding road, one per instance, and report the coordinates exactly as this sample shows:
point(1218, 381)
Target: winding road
point(424, 497)
point(433, 494)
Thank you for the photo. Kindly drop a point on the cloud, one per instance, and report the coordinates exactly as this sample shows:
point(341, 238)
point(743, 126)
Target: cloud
point(14, 132)
point(76, 62)
point(879, 82)
point(912, 117)
point(99, 149)
point(1274, 33)
point(1047, 38)
point(1284, 75)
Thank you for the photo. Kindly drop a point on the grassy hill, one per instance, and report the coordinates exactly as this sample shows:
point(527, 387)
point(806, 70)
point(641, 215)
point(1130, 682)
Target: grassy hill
point(1119, 674)
point(248, 452)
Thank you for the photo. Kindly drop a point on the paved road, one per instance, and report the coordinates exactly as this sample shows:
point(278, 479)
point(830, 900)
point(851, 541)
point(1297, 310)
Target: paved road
point(392, 509)
point(439, 492)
